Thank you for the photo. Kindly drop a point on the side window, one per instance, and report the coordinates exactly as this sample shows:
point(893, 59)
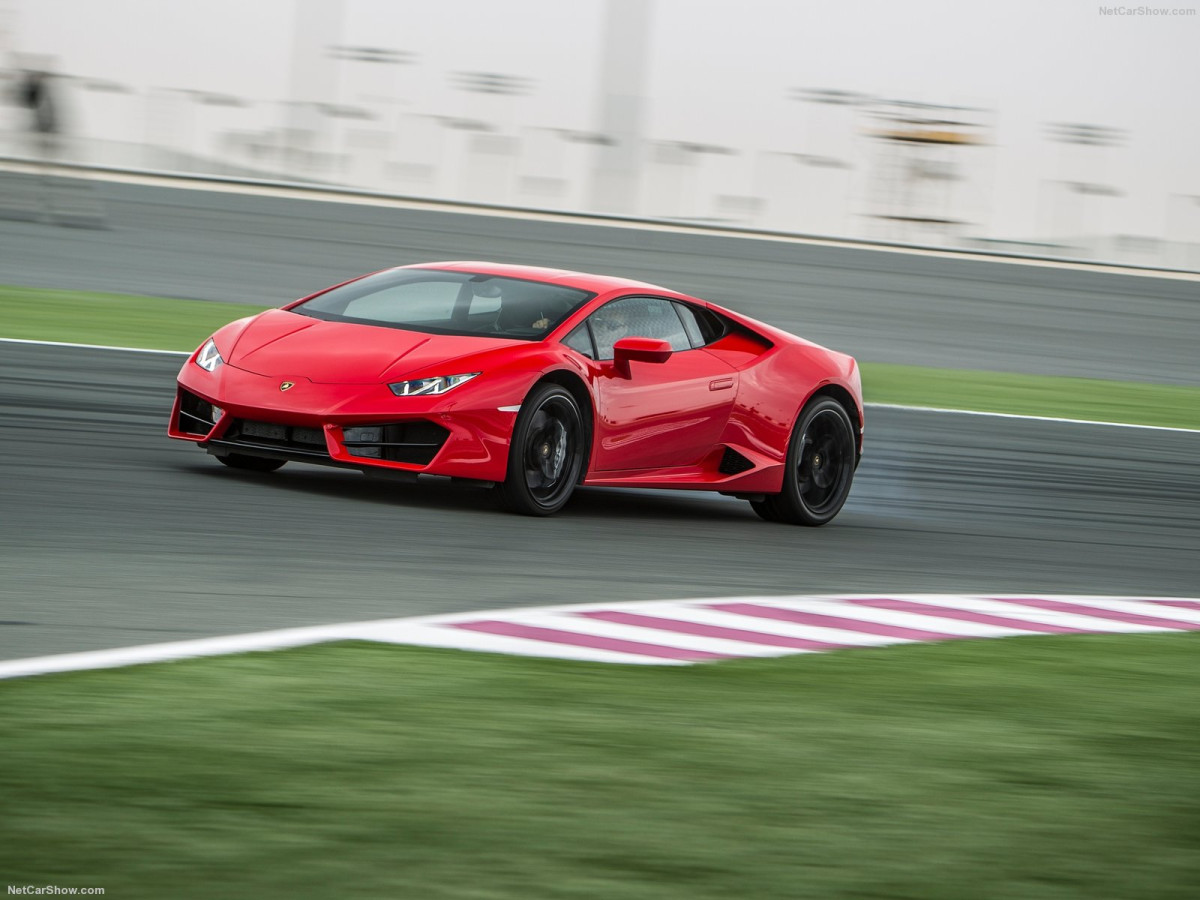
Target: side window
point(712, 326)
point(580, 340)
point(703, 327)
point(690, 325)
point(650, 317)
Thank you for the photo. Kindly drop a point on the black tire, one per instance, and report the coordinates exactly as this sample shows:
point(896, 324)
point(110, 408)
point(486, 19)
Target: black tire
point(251, 463)
point(545, 457)
point(821, 459)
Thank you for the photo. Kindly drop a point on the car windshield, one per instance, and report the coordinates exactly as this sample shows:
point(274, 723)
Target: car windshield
point(440, 302)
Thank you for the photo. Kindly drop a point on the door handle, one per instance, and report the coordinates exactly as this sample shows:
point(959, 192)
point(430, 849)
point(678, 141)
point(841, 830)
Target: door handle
point(720, 384)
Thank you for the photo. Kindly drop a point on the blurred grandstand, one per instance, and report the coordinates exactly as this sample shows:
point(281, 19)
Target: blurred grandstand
point(870, 168)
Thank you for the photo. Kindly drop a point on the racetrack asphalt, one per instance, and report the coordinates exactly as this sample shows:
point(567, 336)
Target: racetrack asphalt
point(878, 306)
point(112, 535)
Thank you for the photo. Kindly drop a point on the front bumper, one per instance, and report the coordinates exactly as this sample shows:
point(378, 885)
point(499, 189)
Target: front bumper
point(363, 427)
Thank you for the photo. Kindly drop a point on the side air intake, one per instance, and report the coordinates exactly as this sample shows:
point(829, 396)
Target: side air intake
point(733, 463)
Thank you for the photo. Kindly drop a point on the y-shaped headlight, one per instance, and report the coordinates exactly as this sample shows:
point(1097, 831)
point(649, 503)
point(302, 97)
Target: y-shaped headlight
point(208, 358)
point(426, 386)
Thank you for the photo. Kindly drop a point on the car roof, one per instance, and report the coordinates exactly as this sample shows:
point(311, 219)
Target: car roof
point(598, 284)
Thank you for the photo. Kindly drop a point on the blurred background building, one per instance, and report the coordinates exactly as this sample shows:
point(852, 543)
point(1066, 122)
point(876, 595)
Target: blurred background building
point(659, 109)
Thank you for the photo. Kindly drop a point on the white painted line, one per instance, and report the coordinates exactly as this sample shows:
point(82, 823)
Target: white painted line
point(401, 631)
point(897, 406)
point(175, 650)
point(1029, 418)
point(661, 632)
point(93, 346)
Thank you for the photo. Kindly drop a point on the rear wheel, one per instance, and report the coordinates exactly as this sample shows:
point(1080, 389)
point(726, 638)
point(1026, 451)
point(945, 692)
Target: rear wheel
point(250, 463)
point(820, 467)
point(546, 455)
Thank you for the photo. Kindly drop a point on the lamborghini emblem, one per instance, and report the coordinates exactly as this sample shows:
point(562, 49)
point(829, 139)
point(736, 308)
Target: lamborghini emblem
point(287, 385)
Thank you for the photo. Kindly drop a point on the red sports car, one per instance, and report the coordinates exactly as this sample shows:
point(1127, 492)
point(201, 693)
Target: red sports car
point(534, 381)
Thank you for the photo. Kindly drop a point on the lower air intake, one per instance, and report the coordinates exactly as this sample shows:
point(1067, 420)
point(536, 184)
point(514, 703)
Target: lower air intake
point(273, 436)
point(195, 415)
point(415, 443)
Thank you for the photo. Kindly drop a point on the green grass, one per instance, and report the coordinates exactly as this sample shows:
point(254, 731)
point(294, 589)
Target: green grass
point(1006, 392)
point(84, 317)
point(166, 324)
point(1032, 768)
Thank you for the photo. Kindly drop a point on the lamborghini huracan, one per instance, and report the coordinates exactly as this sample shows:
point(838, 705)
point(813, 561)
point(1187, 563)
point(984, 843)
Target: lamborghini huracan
point(531, 381)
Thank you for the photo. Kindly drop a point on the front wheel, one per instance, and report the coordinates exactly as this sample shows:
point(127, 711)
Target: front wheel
point(546, 454)
point(820, 466)
point(250, 463)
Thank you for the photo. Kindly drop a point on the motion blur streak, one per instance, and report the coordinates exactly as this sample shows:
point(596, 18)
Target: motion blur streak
point(877, 306)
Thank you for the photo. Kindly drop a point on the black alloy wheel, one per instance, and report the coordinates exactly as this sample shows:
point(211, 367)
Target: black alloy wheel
point(546, 455)
point(821, 459)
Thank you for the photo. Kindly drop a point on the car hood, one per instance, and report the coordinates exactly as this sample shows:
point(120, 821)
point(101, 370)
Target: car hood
point(280, 344)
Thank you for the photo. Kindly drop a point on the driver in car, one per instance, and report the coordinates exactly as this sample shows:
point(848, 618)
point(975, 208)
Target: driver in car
point(516, 312)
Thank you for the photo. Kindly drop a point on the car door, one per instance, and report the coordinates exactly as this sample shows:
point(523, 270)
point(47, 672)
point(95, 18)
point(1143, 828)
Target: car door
point(662, 414)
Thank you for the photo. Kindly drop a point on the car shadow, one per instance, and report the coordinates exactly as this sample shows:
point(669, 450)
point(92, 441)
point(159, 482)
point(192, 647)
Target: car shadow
point(654, 504)
point(442, 494)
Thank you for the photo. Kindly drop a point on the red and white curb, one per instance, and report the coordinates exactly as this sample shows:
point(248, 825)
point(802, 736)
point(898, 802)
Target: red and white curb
point(678, 632)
